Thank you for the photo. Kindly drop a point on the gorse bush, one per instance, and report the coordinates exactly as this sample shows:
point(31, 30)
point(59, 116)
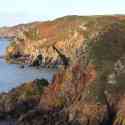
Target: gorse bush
point(41, 83)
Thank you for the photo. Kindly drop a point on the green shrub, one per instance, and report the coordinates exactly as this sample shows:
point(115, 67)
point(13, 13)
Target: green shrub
point(41, 83)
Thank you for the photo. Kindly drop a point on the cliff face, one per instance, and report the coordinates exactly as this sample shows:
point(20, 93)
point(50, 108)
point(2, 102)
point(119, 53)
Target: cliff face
point(66, 34)
point(90, 90)
point(92, 93)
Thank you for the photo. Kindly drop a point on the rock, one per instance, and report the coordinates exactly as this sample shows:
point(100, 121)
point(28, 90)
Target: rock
point(93, 92)
point(44, 118)
point(37, 61)
point(22, 66)
point(90, 89)
point(21, 99)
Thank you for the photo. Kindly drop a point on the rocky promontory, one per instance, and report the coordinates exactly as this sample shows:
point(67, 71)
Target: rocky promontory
point(56, 42)
point(88, 90)
point(21, 99)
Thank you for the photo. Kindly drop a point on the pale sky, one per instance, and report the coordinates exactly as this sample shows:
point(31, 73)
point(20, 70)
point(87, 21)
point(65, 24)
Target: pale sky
point(13, 12)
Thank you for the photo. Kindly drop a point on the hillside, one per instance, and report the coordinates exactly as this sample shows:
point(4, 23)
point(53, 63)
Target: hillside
point(66, 34)
point(12, 32)
point(89, 90)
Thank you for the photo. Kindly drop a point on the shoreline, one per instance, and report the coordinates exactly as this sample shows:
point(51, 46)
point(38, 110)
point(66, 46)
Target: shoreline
point(89, 90)
point(20, 100)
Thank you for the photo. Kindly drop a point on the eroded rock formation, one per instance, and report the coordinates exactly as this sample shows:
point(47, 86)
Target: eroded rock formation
point(91, 90)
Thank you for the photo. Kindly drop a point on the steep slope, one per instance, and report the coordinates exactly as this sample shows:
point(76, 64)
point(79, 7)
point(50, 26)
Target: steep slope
point(11, 32)
point(66, 34)
point(92, 93)
point(91, 89)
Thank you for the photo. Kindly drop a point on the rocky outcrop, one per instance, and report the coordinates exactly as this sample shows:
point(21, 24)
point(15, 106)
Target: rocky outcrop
point(42, 117)
point(91, 93)
point(66, 34)
point(13, 31)
point(21, 99)
point(90, 90)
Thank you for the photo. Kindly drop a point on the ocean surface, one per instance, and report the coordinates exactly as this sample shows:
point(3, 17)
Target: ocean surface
point(11, 75)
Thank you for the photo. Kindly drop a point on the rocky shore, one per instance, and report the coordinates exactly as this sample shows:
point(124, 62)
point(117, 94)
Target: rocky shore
point(20, 100)
point(88, 89)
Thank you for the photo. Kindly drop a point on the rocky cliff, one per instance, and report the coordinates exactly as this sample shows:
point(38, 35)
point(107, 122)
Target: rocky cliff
point(90, 90)
point(66, 34)
point(12, 32)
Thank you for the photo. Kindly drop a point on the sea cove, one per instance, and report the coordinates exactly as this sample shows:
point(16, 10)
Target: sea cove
point(11, 75)
point(88, 87)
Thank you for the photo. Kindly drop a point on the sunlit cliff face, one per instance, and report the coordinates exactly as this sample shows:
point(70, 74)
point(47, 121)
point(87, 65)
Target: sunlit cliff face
point(87, 91)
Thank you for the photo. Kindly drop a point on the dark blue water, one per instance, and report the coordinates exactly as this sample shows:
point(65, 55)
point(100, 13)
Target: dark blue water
point(12, 75)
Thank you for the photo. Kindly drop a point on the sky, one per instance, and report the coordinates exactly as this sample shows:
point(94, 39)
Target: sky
point(13, 12)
